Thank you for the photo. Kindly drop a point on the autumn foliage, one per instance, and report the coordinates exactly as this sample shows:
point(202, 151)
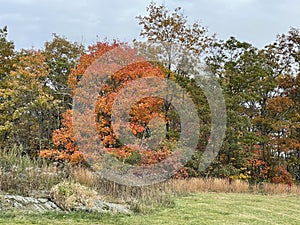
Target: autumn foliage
point(260, 87)
point(65, 145)
point(142, 112)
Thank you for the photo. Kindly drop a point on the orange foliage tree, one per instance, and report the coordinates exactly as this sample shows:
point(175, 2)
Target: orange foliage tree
point(141, 113)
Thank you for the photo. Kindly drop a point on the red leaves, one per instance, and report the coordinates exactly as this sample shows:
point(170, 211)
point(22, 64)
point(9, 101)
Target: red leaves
point(282, 176)
point(258, 169)
point(140, 115)
point(153, 157)
point(64, 141)
point(95, 51)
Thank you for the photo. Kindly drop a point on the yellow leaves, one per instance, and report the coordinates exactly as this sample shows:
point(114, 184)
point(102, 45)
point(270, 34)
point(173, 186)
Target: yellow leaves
point(31, 65)
point(17, 113)
point(244, 176)
point(6, 127)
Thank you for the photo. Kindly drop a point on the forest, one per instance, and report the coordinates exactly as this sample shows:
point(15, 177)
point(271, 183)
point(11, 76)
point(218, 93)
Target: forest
point(260, 87)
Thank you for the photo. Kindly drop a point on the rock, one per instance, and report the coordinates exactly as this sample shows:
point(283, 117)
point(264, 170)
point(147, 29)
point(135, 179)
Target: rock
point(17, 205)
point(74, 196)
point(38, 208)
point(27, 203)
point(102, 207)
point(17, 202)
point(42, 200)
point(50, 205)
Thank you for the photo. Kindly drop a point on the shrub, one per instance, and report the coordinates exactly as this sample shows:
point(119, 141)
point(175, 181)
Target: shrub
point(70, 195)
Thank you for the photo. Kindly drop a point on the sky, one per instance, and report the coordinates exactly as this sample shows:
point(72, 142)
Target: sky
point(32, 22)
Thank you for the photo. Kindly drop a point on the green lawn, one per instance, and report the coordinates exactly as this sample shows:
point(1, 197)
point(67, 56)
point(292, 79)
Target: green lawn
point(202, 208)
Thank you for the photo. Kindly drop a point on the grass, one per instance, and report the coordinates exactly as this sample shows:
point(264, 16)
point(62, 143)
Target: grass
point(198, 201)
point(195, 185)
point(200, 208)
point(19, 174)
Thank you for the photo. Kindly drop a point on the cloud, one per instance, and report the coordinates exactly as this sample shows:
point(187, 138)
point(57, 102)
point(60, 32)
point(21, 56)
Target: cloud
point(255, 21)
point(31, 22)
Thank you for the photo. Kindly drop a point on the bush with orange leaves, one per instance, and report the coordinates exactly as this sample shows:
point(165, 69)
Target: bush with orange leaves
point(281, 175)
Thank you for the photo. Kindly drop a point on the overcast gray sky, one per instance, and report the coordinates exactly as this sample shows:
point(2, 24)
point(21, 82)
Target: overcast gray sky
point(31, 22)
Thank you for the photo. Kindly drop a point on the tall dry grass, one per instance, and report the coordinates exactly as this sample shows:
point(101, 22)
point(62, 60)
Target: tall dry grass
point(178, 186)
point(19, 174)
point(275, 189)
point(141, 198)
point(196, 185)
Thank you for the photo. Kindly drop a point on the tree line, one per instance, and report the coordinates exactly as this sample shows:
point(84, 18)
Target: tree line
point(260, 87)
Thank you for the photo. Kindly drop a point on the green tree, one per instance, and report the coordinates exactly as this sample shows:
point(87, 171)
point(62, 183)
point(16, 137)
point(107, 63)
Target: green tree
point(259, 86)
point(7, 55)
point(232, 63)
point(61, 56)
